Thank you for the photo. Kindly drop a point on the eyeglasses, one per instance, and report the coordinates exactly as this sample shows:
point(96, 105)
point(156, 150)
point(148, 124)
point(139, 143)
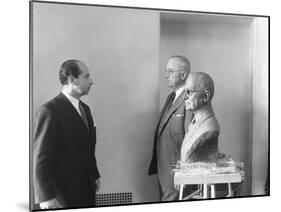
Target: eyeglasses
point(189, 92)
point(170, 72)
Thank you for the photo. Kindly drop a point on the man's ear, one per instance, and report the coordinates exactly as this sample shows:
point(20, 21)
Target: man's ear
point(70, 79)
point(206, 96)
point(183, 75)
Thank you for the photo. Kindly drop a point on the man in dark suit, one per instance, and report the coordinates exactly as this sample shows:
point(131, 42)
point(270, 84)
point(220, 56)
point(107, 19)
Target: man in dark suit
point(170, 129)
point(65, 173)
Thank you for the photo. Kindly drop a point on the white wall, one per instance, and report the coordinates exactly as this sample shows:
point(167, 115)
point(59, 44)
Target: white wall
point(121, 48)
point(260, 105)
point(219, 46)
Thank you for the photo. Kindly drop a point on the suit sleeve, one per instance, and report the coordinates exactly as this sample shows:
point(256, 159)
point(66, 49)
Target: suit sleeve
point(45, 129)
point(94, 166)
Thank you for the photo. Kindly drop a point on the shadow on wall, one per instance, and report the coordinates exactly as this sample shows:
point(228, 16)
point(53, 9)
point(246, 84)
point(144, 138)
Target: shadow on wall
point(239, 129)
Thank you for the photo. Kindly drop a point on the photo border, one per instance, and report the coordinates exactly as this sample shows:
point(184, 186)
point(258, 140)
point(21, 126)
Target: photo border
point(138, 8)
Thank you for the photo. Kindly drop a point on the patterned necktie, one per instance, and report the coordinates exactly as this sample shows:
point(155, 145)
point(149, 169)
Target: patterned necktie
point(83, 115)
point(171, 100)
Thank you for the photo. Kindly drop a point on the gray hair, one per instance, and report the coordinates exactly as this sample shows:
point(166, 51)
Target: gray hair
point(183, 61)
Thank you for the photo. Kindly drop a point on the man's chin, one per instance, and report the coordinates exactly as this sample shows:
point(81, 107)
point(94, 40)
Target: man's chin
point(171, 86)
point(87, 92)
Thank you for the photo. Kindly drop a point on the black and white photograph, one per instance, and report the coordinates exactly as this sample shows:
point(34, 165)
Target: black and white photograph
point(133, 105)
point(140, 105)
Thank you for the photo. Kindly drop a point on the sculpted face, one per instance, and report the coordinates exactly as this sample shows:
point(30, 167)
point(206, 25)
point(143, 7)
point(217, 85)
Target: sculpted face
point(174, 74)
point(83, 83)
point(194, 96)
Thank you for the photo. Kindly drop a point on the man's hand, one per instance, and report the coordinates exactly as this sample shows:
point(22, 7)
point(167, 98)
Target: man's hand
point(50, 204)
point(98, 184)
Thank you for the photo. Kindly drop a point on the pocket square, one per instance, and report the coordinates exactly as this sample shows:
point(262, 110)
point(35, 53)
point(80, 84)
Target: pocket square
point(178, 115)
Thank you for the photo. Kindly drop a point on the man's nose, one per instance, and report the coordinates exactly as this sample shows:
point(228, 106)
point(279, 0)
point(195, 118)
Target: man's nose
point(91, 81)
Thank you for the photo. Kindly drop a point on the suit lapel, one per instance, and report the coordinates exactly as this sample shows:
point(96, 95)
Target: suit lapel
point(164, 109)
point(169, 113)
point(159, 120)
point(68, 111)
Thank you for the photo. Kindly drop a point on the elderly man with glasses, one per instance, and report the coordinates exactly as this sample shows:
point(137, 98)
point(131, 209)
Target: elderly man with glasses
point(171, 128)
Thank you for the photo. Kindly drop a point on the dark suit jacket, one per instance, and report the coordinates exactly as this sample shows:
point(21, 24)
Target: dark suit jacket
point(171, 127)
point(64, 163)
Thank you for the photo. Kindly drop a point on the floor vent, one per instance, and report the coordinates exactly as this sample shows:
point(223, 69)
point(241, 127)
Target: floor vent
point(114, 199)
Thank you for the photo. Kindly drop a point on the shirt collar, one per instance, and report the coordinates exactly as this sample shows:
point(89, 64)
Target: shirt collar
point(202, 116)
point(178, 92)
point(74, 101)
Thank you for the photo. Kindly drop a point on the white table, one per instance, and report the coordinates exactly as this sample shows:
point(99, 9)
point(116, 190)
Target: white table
point(206, 180)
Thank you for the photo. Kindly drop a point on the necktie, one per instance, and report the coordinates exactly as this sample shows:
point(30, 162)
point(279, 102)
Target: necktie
point(83, 114)
point(171, 100)
point(193, 121)
point(166, 107)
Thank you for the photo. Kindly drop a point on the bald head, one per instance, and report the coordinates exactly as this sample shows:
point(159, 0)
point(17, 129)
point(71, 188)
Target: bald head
point(199, 88)
point(202, 81)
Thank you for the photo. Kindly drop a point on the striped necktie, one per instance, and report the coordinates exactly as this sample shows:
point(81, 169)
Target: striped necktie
point(171, 100)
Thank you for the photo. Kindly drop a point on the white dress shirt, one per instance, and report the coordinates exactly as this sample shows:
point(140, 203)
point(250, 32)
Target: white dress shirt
point(178, 92)
point(74, 101)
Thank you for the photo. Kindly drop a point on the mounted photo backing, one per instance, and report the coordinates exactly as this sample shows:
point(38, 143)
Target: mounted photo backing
point(126, 50)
